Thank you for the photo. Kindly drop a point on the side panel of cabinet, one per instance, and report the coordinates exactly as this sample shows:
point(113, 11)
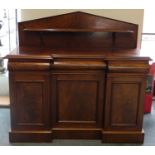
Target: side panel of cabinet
point(77, 100)
point(30, 108)
point(124, 105)
point(29, 100)
point(124, 102)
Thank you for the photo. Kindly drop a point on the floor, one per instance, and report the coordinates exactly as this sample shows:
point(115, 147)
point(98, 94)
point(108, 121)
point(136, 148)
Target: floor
point(149, 128)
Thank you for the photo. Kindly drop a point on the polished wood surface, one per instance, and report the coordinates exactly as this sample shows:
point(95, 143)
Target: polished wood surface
point(77, 76)
point(78, 28)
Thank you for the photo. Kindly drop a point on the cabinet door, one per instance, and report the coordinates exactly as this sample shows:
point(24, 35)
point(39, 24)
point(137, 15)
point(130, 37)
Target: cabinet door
point(29, 93)
point(77, 99)
point(124, 102)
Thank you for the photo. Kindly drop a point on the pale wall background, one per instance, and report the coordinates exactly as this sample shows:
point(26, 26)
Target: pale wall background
point(129, 15)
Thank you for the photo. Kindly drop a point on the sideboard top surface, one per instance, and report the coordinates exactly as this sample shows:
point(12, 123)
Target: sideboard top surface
point(34, 53)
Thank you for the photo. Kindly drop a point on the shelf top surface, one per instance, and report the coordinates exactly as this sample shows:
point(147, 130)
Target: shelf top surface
point(75, 30)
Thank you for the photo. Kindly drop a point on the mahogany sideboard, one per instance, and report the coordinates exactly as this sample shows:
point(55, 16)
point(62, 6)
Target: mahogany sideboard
point(77, 76)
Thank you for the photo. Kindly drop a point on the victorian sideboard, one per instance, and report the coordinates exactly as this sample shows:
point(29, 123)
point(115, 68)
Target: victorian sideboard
point(77, 76)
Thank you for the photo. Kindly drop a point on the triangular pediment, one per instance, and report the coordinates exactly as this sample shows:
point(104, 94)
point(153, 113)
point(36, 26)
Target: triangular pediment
point(80, 20)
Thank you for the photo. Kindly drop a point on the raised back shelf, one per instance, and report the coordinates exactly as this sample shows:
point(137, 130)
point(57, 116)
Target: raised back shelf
point(78, 31)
